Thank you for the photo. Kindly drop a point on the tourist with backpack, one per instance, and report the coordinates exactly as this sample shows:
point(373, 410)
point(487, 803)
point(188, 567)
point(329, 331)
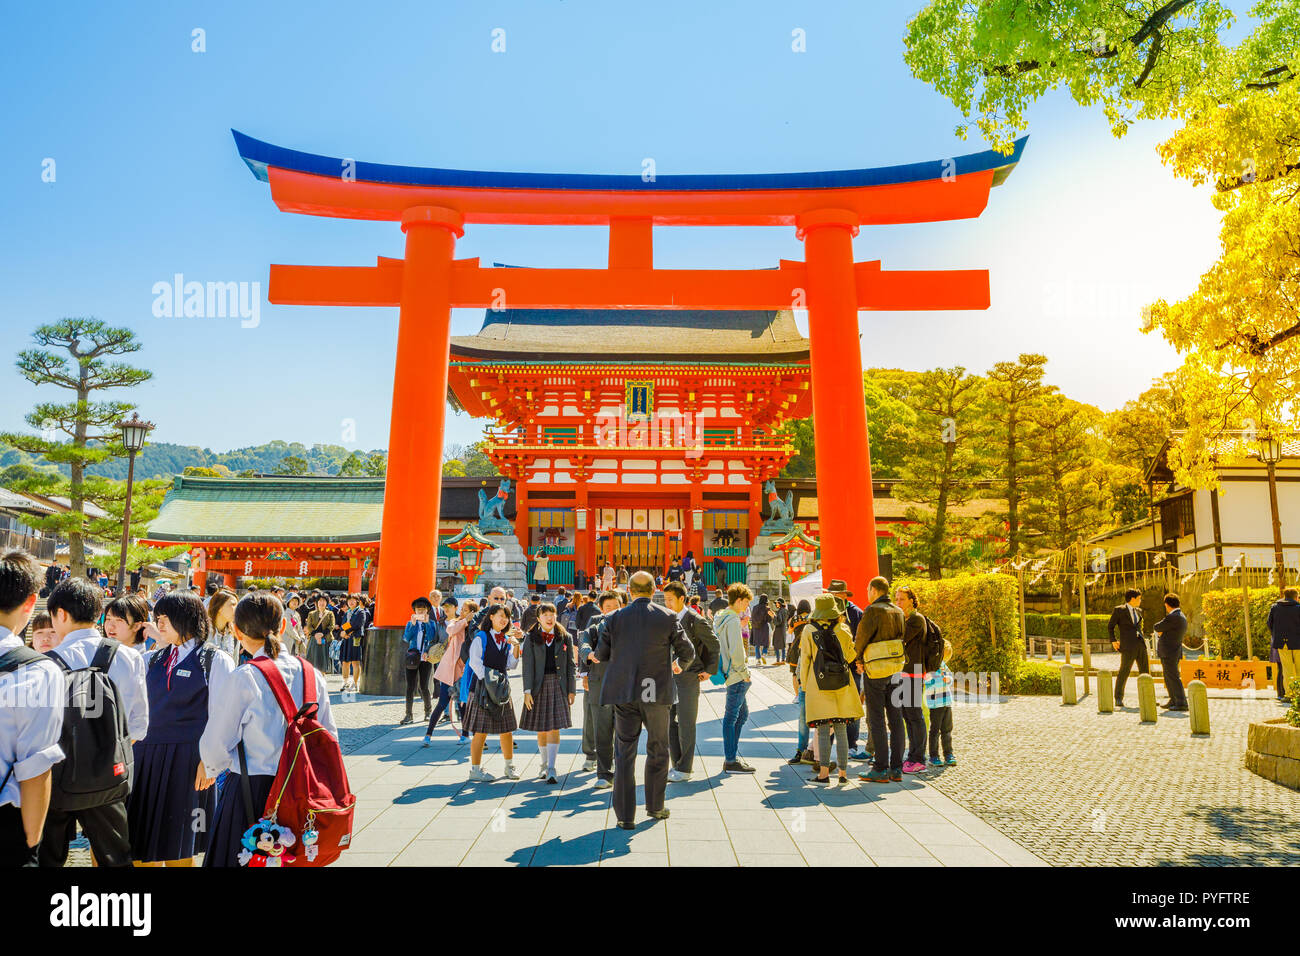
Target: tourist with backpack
point(106, 709)
point(880, 657)
point(911, 682)
point(29, 735)
point(171, 804)
point(248, 728)
point(831, 698)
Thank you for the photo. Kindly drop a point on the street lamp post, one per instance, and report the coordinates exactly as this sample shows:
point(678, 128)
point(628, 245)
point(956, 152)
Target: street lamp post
point(1270, 453)
point(133, 435)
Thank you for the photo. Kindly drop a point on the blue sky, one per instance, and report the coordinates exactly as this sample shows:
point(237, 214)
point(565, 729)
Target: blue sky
point(148, 184)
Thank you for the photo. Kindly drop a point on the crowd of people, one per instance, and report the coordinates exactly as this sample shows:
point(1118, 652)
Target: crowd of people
point(195, 735)
point(182, 743)
point(885, 664)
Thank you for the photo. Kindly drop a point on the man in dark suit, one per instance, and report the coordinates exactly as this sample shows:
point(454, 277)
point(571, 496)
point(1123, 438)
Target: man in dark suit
point(1284, 630)
point(1127, 617)
point(597, 719)
point(640, 643)
point(685, 712)
point(586, 611)
point(1169, 648)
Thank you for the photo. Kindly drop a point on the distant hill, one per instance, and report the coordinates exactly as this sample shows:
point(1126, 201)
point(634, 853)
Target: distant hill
point(163, 460)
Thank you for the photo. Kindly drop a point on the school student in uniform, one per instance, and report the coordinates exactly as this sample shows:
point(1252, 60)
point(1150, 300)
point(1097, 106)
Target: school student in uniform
point(171, 804)
point(354, 637)
point(548, 685)
point(125, 619)
point(73, 606)
point(29, 734)
point(44, 637)
point(495, 647)
point(242, 710)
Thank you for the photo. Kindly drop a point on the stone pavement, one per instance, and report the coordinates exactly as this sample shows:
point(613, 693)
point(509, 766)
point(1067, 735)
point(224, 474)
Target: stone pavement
point(416, 808)
point(1081, 788)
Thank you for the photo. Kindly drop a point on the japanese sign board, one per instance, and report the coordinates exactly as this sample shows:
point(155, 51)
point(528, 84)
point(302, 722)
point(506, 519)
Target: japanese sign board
point(1236, 675)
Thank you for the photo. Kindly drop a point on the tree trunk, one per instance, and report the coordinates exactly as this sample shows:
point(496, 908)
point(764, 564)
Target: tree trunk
point(1013, 497)
point(76, 542)
point(941, 514)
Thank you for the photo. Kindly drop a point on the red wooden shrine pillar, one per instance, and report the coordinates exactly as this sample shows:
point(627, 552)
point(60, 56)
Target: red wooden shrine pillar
point(755, 514)
point(354, 580)
point(583, 538)
point(229, 580)
point(846, 512)
point(521, 517)
point(413, 487)
point(693, 540)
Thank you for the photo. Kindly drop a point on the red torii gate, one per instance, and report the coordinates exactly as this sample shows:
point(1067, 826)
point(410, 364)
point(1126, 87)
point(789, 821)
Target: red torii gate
point(433, 206)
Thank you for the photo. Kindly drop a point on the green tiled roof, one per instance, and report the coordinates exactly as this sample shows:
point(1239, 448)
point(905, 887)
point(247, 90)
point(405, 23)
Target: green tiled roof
point(271, 509)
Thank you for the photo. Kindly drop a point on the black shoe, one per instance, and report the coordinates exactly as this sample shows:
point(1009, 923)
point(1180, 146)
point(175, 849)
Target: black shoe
point(408, 719)
point(797, 758)
point(1168, 705)
point(737, 766)
point(1119, 705)
point(625, 825)
point(659, 814)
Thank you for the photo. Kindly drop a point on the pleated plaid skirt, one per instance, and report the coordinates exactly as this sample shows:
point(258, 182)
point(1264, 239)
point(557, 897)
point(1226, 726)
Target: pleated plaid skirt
point(480, 721)
point(550, 708)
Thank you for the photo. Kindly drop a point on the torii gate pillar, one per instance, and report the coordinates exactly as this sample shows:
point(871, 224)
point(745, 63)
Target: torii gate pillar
point(413, 483)
point(845, 508)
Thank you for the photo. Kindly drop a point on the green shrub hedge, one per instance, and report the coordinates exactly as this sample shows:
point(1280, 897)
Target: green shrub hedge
point(1225, 629)
point(961, 606)
point(1066, 625)
point(1036, 677)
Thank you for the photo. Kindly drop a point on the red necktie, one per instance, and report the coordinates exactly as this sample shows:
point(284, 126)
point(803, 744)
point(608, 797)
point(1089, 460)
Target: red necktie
point(171, 664)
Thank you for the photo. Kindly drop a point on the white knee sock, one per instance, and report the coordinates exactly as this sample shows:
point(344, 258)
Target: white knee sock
point(552, 750)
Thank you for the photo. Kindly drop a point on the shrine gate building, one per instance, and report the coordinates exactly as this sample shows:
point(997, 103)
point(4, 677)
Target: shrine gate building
point(635, 436)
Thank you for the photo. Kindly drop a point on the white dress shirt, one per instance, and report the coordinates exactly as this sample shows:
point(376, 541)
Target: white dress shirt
point(242, 707)
point(126, 672)
point(476, 656)
point(31, 719)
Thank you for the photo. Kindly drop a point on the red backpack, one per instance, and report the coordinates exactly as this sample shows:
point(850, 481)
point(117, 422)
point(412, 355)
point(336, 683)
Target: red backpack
point(310, 796)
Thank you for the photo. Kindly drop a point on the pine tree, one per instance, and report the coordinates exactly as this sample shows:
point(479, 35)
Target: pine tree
point(90, 426)
point(939, 467)
point(1012, 390)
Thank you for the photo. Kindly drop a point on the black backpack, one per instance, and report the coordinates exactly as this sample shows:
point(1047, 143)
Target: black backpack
point(829, 667)
point(933, 646)
point(97, 759)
